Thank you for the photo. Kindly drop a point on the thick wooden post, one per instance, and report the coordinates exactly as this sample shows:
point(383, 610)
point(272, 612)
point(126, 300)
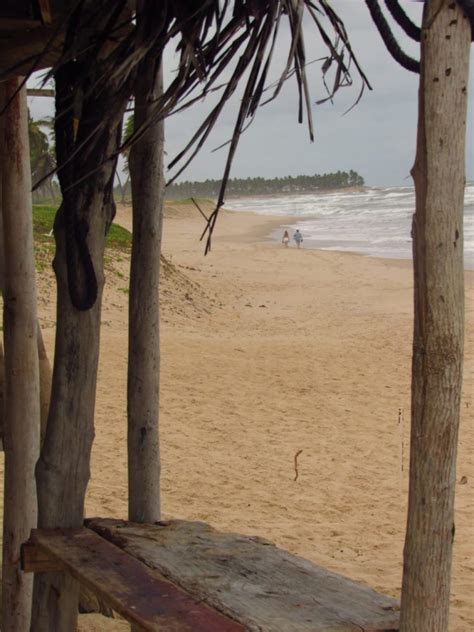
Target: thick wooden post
point(44, 365)
point(21, 364)
point(2, 360)
point(147, 178)
point(64, 466)
point(439, 316)
point(63, 469)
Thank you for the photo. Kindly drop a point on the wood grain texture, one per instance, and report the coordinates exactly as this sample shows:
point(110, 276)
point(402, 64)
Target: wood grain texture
point(22, 393)
point(63, 470)
point(34, 559)
point(143, 376)
point(256, 583)
point(139, 594)
point(438, 340)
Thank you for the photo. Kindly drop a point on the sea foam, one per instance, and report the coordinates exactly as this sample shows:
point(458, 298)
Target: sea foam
point(375, 222)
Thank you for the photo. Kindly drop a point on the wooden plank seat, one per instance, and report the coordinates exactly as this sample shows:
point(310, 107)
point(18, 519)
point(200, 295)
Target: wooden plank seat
point(248, 579)
point(136, 592)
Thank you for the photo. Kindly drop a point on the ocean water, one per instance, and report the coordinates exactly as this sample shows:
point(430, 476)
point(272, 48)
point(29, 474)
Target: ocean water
point(374, 222)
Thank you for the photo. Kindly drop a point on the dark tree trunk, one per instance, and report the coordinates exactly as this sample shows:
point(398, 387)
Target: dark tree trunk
point(63, 469)
point(80, 231)
point(439, 174)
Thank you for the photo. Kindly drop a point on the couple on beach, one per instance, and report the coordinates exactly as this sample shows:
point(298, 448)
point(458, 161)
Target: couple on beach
point(297, 237)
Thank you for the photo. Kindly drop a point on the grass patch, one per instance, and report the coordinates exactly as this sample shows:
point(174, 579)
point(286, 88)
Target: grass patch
point(43, 220)
point(119, 237)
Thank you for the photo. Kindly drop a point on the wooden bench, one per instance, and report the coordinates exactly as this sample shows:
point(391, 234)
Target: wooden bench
point(180, 576)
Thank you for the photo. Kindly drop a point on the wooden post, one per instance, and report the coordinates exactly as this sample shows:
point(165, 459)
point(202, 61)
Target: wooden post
point(439, 175)
point(147, 178)
point(2, 359)
point(64, 466)
point(44, 365)
point(21, 363)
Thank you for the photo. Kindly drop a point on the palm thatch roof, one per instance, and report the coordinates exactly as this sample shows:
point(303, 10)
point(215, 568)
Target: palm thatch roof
point(219, 43)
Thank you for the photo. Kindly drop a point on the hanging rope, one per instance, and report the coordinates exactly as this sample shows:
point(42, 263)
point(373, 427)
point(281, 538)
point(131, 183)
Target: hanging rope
point(402, 19)
point(390, 42)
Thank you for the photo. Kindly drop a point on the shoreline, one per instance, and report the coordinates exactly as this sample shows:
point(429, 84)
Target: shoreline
point(274, 223)
point(264, 228)
point(333, 246)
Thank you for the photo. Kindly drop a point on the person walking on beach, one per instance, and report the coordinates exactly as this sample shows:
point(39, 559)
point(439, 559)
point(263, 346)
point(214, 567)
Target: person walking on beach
point(298, 237)
point(286, 239)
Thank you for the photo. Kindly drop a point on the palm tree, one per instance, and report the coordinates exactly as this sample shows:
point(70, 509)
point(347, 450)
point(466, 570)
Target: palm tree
point(42, 158)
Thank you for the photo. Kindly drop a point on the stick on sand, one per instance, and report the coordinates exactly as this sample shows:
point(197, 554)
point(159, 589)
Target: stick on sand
point(296, 463)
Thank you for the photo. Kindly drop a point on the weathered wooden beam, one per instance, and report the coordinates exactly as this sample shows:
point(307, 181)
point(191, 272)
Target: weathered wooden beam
point(23, 49)
point(248, 579)
point(46, 11)
point(31, 45)
point(13, 24)
point(251, 580)
point(35, 559)
point(28, 43)
point(139, 594)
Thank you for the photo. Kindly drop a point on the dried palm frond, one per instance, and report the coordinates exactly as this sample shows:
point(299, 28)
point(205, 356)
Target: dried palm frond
point(221, 45)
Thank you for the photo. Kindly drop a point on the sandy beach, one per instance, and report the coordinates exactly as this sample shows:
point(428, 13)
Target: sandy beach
point(267, 351)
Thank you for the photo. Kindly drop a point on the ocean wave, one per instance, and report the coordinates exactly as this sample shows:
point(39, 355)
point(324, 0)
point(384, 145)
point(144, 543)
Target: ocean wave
point(376, 221)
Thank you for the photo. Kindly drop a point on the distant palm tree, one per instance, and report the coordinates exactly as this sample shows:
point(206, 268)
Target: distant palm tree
point(42, 158)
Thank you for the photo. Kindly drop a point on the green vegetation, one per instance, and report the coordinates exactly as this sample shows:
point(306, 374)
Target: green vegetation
point(258, 186)
point(189, 201)
point(182, 191)
point(42, 159)
point(43, 220)
point(119, 242)
point(119, 237)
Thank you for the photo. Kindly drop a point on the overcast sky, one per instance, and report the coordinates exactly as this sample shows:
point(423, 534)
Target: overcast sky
point(376, 138)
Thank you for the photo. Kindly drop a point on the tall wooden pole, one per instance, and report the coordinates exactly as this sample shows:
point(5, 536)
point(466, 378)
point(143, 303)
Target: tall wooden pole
point(2, 272)
point(44, 364)
point(21, 364)
point(64, 466)
point(147, 178)
point(439, 174)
